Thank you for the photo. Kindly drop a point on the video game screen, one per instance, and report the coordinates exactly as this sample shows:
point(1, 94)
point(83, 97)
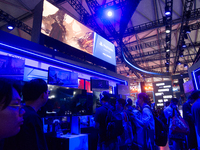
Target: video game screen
point(61, 77)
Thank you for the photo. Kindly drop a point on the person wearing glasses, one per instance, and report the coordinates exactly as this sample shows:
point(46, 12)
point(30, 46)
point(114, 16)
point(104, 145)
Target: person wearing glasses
point(11, 114)
point(31, 136)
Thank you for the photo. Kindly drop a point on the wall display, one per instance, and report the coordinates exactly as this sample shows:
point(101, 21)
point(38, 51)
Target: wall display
point(188, 86)
point(162, 92)
point(60, 26)
point(104, 49)
point(62, 77)
point(99, 84)
point(12, 67)
point(123, 89)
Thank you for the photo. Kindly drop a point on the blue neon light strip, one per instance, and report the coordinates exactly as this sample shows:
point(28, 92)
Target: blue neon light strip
point(195, 80)
point(148, 72)
point(61, 62)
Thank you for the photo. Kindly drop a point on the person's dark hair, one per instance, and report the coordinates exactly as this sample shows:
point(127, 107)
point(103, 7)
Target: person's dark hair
point(122, 101)
point(174, 100)
point(129, 102)
point(6, 86)
point(33, 89)
point(195, 95)
point(105, 98)
point(145, 97)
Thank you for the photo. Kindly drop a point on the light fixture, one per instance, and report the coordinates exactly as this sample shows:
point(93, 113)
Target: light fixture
point(185, 66)
point(181, 54)
point(178, 63)
point(167, 11)
point(185, 36)
point(127, 74)
point(167, 39)
point(187, 29)
point(109, 13)
point(167, 29)
point(183, 44)
point(10, 26)
point(167, 49)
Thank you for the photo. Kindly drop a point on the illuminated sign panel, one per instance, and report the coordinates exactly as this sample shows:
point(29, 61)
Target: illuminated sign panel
point(60, 26)
point(163, 92)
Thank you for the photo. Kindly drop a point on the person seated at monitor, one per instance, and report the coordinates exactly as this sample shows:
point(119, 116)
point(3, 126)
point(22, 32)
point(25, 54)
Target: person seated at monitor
point(31, 136)
point(11, 113)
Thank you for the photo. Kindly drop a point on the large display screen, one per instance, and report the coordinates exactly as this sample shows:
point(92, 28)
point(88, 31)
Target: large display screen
point(162, 92)
point(11, 67)
point(104, 49)
point(60, 26)
point(62, 77)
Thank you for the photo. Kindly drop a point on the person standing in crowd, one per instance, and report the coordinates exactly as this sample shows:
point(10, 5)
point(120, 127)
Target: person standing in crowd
point(196, 116)
point(126, 139)
point(31, 135)
point(176, 141)
point(104, 142)
point(187, 116)
point(147, 120)
point(11, 113)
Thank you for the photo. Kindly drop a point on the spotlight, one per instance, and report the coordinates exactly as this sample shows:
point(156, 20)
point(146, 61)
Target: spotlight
point(167, 49)
point(167, 64)
point(185, 66)
point(181, 54)
point(127, 74)
point(183, 44)
point(167, 39)
point(109, 13)
point(167, 11)
point(178, 63)
point(187, 29)
point(10, 26)
point(167, 29)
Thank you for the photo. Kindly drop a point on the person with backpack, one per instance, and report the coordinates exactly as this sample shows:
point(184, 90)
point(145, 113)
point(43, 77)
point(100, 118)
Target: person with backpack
point(105, 142)
point(126, 139)
point(147, 120)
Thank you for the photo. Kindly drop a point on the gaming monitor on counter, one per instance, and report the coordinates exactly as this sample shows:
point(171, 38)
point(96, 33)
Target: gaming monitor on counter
point(67, 101)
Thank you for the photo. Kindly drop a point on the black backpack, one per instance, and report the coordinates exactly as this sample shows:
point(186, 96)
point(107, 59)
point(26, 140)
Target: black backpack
point(114, 124)
point(160, 131)
point(132, 120)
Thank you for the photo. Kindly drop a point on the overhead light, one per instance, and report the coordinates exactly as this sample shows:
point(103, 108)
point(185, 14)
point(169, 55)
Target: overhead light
point(185, 66)
point(181, 54)
point(109, 13)
point(10, 26)
point(178, 63)
point(167, 11)
point(187, 29)
point(167, 49)
point(167, 29)
point(127, 74)
point(167, 39)
point(183, 44)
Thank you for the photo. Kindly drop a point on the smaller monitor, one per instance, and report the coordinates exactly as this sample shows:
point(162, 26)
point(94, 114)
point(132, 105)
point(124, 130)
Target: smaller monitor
point(123, 89)
point(99, 84)
point(62, 78)
point(188, 86)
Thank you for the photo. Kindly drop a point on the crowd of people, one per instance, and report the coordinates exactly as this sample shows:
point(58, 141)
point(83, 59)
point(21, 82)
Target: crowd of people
point(139, 123)
point(120, 125)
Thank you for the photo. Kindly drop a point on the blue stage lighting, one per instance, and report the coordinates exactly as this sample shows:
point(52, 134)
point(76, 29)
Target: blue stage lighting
point(109, 13)
point(10, 27)
point(167, 12)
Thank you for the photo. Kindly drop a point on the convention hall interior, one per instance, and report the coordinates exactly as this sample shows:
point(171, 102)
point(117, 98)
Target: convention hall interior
point(85, 47)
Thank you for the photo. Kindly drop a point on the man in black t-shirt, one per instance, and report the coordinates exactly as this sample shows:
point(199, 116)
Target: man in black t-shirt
point(31, 136)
